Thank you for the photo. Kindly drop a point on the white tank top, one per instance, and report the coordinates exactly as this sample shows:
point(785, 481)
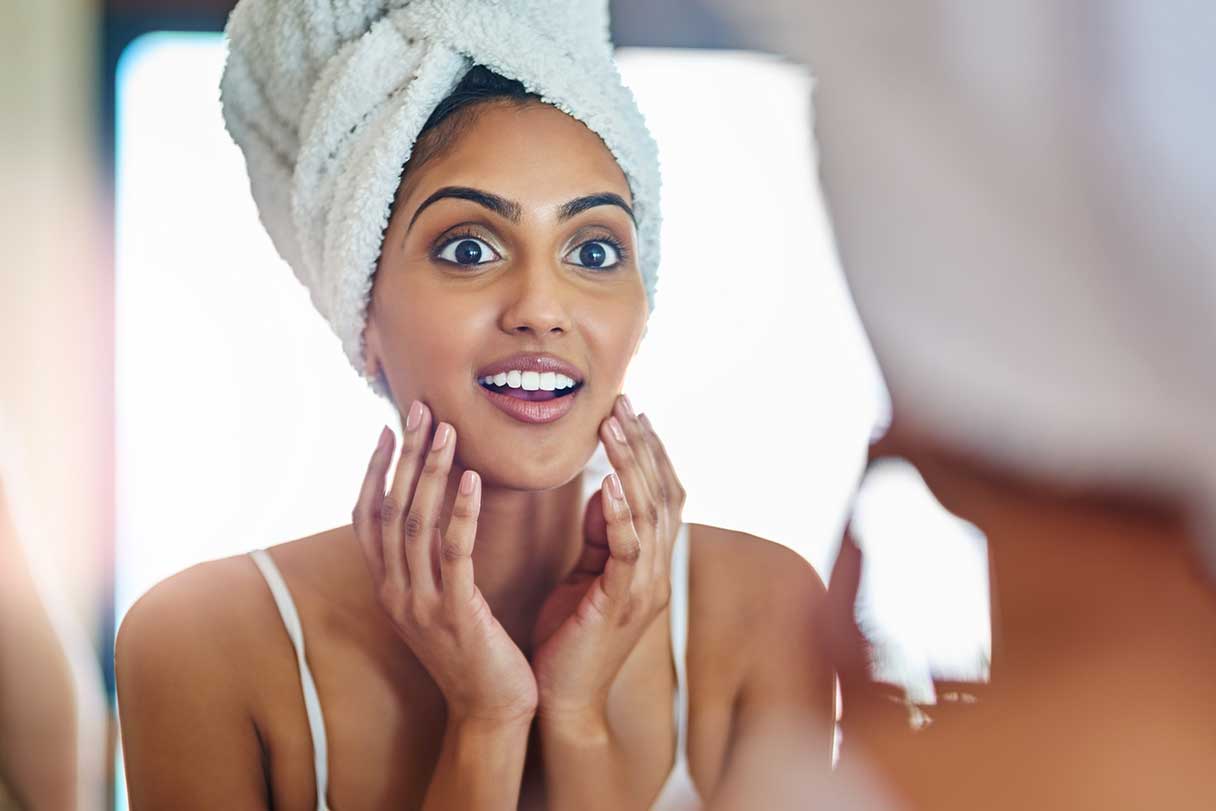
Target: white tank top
point(678, 792)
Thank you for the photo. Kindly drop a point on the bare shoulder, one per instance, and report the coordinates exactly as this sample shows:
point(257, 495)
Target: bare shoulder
point(740, 579)
point(194, 660)
point(219, 606)
point(756, 668)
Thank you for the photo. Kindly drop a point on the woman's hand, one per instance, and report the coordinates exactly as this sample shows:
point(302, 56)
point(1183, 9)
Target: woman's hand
point(592, 621)
point(424, 576)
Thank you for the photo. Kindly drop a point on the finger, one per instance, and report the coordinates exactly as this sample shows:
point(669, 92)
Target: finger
point(643, 509)
point(422, 521)
point(635, 433)
point(456, 553)
point(673, 487)
point(624, 545)
point(595, 527)
point(366, 516)
point(672, 493)
point(414, 441)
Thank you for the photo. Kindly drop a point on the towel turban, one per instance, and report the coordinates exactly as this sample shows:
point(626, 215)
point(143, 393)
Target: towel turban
point(326, 98)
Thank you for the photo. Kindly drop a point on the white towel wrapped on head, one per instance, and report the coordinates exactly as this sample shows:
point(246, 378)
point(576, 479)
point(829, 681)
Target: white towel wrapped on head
point(326, 98)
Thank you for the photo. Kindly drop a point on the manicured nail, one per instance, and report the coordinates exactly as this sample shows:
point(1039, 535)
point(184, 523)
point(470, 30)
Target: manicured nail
point(626, 406)
point(614, 487)
point(615, 427)
point(414, 418)
point(468, 483)
point(442, 434)
point(385, 435)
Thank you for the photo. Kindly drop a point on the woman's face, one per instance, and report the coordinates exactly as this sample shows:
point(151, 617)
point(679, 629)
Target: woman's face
point(510, 264)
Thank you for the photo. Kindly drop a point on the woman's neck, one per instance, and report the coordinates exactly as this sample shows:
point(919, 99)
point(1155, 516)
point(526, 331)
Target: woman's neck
point(527, 541)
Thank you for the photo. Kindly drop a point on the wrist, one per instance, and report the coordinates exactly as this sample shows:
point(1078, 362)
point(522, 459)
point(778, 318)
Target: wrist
point(584, 724)
point(476, 723)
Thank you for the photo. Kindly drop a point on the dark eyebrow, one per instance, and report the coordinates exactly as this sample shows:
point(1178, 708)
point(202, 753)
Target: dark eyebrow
point(580, 204)
point(504, 208)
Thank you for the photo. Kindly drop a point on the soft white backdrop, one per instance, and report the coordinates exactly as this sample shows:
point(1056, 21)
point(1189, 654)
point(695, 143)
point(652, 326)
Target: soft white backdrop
point(241, 425)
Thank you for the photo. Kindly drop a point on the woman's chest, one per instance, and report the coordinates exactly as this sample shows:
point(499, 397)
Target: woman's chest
point(384, 721)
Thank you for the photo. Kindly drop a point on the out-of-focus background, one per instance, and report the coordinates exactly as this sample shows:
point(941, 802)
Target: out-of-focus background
point(168, 396)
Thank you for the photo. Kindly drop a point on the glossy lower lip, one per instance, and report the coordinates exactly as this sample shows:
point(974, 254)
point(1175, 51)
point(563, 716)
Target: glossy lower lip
point(532, 412)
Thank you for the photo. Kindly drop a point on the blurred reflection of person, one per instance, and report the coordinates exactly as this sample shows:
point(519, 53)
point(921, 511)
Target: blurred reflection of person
point(1022, 197)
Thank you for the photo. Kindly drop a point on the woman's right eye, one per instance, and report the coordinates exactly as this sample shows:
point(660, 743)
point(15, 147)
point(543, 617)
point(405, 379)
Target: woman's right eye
point(467, 251)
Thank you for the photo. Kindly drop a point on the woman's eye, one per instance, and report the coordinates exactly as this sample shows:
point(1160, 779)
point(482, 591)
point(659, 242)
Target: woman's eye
point(595, 254)
point(467, 251)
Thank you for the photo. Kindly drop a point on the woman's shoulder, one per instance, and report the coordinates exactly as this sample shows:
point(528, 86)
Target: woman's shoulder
point(210, 613)
point(746, 576)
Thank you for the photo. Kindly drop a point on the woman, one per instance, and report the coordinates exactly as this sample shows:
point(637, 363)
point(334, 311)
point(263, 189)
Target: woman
point(483, 635)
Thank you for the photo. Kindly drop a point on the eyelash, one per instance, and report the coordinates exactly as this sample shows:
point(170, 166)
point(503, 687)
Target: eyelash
point(455, 236)
point(622, 252)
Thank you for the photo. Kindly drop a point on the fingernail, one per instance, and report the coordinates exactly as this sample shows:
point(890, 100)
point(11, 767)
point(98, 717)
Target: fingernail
point(646, 422)
point(442, 434)
point(615, 427)
point(626, 406)
point(468, 483)
point(414, 418)
point(385, 435)
point(614, 487)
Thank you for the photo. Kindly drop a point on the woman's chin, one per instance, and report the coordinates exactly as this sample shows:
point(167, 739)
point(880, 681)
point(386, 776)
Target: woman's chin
point(530, 472)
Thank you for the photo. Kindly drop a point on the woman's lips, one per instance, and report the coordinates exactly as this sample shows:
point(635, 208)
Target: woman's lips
point(532, 407)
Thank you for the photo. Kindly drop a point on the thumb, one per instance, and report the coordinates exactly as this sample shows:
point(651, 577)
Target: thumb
point(595, 525)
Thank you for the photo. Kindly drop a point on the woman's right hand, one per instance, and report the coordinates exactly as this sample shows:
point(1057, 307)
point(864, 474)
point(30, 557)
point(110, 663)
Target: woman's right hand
point(424, 576)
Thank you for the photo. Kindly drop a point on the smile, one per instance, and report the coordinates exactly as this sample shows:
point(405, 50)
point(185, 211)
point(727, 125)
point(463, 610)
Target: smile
point(534, 389)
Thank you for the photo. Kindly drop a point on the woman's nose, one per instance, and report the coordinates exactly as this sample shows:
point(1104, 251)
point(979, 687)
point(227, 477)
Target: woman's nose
point(537, 303)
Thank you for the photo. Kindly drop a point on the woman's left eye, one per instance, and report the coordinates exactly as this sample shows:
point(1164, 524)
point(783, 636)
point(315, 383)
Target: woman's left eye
point(467, 251)
point(596, 254)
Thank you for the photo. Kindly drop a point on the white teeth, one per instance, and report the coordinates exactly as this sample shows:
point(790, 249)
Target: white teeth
point(529, 381)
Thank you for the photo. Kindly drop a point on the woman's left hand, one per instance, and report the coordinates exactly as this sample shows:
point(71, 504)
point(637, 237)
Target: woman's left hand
point(622, 582)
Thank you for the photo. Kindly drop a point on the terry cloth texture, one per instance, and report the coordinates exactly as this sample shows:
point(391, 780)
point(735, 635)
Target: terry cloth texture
point(326, 98)
point(1034, 261)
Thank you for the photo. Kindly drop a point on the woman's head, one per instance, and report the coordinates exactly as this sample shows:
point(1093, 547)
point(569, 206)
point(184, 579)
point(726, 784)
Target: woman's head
point(509, 261)
point(328, 98)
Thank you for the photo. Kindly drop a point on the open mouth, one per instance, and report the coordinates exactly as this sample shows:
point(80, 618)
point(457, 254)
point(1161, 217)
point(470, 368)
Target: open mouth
point(531, 386)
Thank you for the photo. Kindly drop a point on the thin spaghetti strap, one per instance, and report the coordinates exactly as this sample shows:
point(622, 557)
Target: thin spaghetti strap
point(312, 702)
point(679, 635)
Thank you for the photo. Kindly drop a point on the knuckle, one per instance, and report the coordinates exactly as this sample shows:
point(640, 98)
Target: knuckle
point(452, 552)
point(415, 525)
point(463, 509)
point(419, 613)
point(662, 595)
point(651, 514)
point(390, 596)
point(390, 510)
point(632, 551)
